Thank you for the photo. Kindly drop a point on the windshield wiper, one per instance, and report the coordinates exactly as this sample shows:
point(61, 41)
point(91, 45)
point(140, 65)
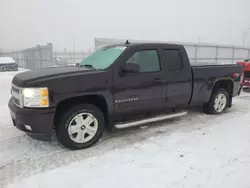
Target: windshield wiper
point(88, 66)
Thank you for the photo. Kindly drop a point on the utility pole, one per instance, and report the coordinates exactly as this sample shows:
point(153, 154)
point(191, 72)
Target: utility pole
point(244, 36)
point(199, 40)
point(73, 50)
point(197, 46)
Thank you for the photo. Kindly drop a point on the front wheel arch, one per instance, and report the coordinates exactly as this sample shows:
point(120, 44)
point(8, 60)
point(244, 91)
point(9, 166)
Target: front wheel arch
point(96, 100)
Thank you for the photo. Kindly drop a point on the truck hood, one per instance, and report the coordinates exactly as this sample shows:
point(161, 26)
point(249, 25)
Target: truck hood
point(28, 78)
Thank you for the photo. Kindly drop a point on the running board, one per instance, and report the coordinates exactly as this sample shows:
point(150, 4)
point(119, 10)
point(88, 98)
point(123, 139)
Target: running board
point(150, 120)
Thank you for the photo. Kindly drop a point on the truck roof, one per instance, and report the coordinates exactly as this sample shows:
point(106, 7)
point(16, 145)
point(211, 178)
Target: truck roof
point(147, 44)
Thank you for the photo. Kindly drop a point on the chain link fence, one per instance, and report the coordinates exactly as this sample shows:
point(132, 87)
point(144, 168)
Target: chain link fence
point(33, 58)
point(198, 53)
point(69, 58)
point(43, 56)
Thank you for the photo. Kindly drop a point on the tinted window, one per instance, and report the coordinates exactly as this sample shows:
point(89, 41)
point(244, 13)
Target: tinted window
point(173, 60)
point(147, 60)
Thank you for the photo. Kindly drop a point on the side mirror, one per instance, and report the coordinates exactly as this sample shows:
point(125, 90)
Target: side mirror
point(131, 68)
point(78, 64)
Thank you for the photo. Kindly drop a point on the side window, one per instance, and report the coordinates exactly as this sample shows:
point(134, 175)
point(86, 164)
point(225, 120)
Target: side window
point(173, 60)
point(148, 60)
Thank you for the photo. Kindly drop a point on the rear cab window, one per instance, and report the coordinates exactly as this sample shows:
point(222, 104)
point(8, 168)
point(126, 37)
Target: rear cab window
point(173, 59)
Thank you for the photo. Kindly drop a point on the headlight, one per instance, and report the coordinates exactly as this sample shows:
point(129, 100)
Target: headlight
point(35, 97)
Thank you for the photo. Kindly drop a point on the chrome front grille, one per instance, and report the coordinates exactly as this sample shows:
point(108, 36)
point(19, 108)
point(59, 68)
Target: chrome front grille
point(16, 95)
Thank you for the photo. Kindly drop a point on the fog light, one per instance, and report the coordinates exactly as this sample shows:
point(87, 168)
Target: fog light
point(28, 127)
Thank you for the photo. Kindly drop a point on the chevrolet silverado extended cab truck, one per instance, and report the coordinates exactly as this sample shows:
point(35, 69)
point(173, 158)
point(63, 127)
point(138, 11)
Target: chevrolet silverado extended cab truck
point(118, 86)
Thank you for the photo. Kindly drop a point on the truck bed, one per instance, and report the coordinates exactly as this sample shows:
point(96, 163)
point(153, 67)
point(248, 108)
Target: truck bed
point(204, 75)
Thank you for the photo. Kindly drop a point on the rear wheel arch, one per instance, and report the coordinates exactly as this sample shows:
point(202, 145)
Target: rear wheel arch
point(218, 102)
point(226, 84)
point(220, 84)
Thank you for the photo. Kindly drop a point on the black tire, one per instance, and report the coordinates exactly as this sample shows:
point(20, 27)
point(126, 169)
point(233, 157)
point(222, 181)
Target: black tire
point(209, 107)
point(205, 108)
point(62, 130)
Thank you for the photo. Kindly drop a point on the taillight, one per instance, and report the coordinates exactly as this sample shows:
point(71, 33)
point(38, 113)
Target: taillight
point(236, 75)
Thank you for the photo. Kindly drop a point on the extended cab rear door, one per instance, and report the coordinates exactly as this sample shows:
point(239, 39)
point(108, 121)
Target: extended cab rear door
point(178, 76)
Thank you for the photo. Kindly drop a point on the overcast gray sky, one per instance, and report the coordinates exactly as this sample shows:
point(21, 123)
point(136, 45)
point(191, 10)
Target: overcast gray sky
point(25, 23)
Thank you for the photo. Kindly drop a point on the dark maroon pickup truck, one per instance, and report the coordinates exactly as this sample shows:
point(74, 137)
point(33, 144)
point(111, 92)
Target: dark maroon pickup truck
point(118, 86)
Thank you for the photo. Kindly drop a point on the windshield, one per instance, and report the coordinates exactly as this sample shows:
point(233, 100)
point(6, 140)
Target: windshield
point(104, 57)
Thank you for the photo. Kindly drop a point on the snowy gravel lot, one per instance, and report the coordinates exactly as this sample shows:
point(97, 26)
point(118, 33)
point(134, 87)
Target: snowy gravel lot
point(197, 150)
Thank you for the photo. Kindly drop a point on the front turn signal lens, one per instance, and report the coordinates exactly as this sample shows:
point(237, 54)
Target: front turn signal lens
point(44, 102)
point(44, 92)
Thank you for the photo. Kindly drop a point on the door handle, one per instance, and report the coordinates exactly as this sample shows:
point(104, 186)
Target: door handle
point(157, 81)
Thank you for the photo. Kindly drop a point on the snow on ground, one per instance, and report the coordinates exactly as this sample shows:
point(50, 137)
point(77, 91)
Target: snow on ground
point(197, 150)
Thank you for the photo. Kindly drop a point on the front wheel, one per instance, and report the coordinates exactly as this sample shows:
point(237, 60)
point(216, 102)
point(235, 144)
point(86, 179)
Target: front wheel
point(81, 126)
point(218, 102)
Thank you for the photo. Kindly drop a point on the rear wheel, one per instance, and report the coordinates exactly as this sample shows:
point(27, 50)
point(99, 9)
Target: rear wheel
point(81, 126)
point(218, 102)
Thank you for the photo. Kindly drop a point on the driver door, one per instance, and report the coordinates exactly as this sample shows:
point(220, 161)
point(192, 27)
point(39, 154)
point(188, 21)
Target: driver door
point(142, 92)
